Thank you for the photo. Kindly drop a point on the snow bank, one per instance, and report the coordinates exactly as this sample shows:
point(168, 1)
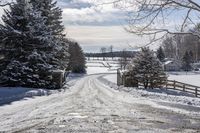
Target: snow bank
point(11, 94)
point(163, 95)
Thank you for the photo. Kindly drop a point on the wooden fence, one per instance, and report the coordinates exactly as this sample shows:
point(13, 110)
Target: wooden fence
point(191, 89)
point(170, 84)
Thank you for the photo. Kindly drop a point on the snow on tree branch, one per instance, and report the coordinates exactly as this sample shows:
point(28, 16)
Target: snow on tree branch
point(5, 3)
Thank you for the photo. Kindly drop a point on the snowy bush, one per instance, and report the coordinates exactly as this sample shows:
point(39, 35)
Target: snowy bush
point(147, 69)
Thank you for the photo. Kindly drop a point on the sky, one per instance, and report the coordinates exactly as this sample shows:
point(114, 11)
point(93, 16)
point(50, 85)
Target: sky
point(99, 26)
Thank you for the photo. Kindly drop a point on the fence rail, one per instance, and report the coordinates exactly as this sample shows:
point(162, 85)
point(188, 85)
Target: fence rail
point(176, 85)
point(170, 84)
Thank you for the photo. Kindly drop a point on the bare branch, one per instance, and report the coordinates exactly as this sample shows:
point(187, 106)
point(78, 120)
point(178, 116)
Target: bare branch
point(151, 16)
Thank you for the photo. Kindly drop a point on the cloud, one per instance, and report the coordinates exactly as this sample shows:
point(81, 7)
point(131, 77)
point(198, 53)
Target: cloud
point(96, 26)
point(85, 12)
point(92, 38)
point(73, 4)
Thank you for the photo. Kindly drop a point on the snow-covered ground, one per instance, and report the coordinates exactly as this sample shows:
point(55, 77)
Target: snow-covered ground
point(171, 96)
point(100, 66)
point(11, 94)
point(95, 70)
point(112, 78)
point(189, 78)
point(91, 103)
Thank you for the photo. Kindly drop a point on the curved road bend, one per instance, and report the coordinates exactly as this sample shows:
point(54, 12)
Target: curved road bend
point(90, 106)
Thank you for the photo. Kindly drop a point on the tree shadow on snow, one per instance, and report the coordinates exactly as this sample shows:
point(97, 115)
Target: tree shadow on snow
point(11, 94)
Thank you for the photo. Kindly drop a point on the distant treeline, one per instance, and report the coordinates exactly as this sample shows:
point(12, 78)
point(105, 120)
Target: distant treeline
point(128, 54)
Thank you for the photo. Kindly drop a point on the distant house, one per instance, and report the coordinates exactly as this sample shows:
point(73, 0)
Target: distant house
point(172, 65)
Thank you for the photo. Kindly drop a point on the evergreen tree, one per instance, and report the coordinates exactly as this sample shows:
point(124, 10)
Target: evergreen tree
point(148, 69)
point(160, 54)
point(53, 15)
point(77, 59)
point(186, 61)
point(28, 46)
point(191, 56)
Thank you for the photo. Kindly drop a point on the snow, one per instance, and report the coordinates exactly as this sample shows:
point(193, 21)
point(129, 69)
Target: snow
point(171, 96)
point(168, 62)
point(106, 64)
point(91, 64)
point(188, 78)
point(100, 66)
point(11, 94)
point(112, 78)
point(92, 105)
point(98, 70)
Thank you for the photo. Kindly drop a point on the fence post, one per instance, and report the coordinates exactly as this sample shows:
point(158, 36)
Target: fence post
point(196, 90)
point(118, 77)
point(183, 87)
point(174, 84)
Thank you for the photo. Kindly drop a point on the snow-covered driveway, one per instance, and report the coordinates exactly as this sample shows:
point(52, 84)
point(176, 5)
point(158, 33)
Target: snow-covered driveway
point(91, 106)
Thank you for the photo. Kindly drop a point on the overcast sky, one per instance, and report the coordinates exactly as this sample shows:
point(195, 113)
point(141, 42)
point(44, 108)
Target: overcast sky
point(95, 27)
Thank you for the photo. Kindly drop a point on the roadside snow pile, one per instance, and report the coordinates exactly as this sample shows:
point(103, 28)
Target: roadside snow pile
point(159, 95)
point(38, 92)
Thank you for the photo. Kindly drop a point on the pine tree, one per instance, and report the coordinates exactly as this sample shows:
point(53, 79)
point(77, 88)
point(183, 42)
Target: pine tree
point(160, 54)
point(191, 56)
point(53, 15)
point(186, 61)
point(28, 47)
point(77, 59)
point(148, 69)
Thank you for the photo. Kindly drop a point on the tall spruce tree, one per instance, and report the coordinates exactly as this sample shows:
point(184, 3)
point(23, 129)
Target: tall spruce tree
point(160, 54)
point(53, 16)
point(148, 69)
point(28, 47)
point(77, 59)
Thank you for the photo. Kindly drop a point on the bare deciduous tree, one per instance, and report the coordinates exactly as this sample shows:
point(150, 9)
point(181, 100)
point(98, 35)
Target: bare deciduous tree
point(103, 51)
point(155, 17)
point(123, 61)
point(111, 51)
